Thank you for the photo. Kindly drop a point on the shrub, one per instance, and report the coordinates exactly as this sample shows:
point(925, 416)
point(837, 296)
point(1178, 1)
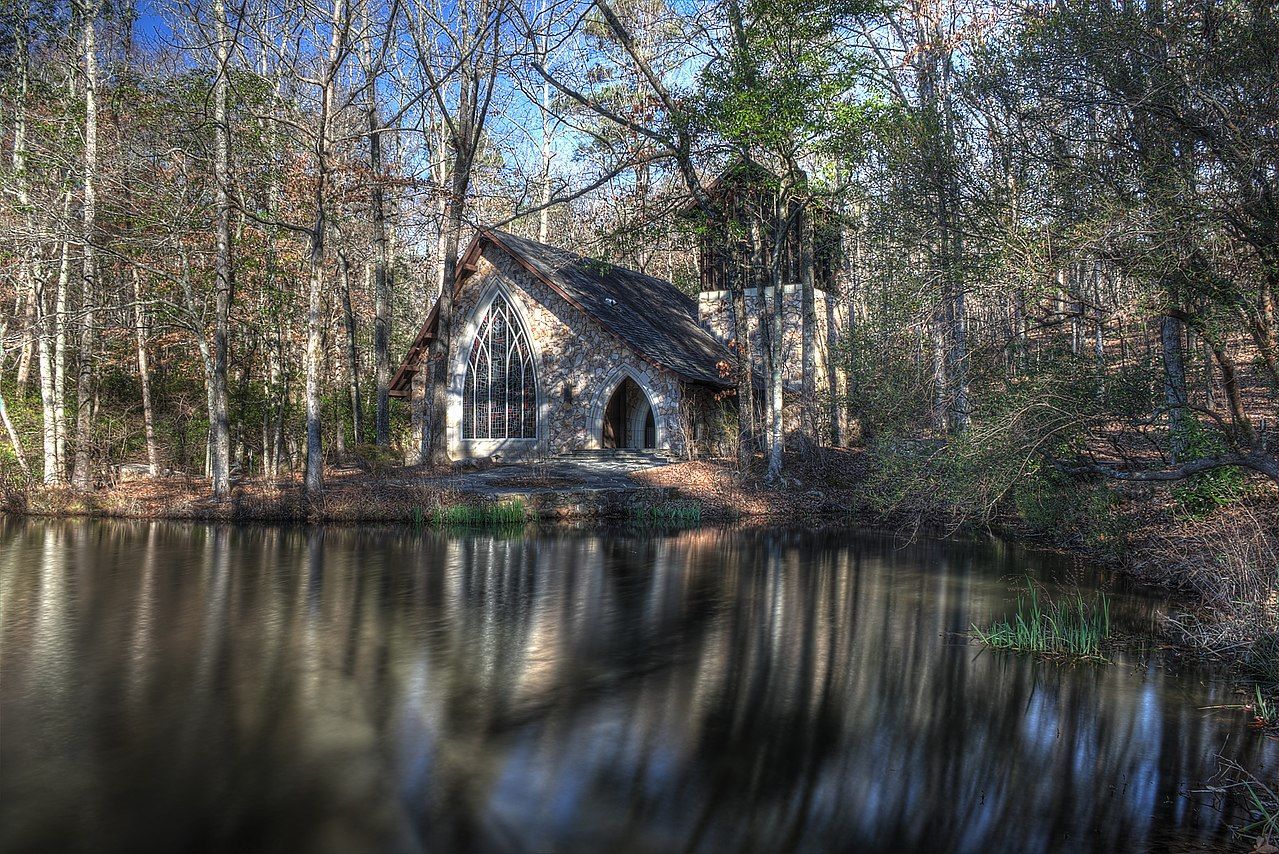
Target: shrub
point(375, 459)
point(1070, 510)
point(1200, 494)
point(15, 487)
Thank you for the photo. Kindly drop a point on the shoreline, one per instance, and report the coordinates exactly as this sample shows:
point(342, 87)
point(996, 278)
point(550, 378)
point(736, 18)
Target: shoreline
point(1150, 552)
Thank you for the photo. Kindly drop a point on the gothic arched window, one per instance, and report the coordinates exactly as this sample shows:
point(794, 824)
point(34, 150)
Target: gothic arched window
point(499, 400)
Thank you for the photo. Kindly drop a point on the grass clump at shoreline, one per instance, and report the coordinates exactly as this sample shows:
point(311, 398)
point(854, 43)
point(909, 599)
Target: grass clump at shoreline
point(1259, 799)
point(513, 512)
point(1072, 625)
point(668, 513)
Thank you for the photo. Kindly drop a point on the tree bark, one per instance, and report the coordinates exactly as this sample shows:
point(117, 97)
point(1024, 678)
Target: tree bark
point(808, 329)
point(745, 368)
point(777, 339)
point(27, 311)
point(351, 351)
point(314, 475)
point(60, 343)
point(381, 272)
point(1171, 331)
point(14, 439)
point(441, 345)
point(48, 411)
point(144, 374)
point(219, 417)
point(777, 426)
point(465, 128)
point(82, 475)
point(31, 273)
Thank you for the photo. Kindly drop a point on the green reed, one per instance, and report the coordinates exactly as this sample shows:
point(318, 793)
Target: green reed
point(1071, 625)
point(513, 512)
point(668, 513)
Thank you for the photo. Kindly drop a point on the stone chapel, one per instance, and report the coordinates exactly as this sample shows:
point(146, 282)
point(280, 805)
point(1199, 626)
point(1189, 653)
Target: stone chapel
point(554, 352)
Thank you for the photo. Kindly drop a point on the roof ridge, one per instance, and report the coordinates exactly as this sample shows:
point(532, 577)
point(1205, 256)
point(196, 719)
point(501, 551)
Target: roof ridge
point(615, 297)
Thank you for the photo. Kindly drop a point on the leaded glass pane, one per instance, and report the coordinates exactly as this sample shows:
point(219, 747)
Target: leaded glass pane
point(499, 398)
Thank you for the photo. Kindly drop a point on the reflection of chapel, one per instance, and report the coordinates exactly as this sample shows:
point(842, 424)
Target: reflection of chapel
point(554, 352)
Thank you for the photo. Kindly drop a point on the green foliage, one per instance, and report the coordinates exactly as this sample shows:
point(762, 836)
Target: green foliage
point(1070, 626)
point(1266, 708)
point(14, 483)
point(505, 513)
point(1201, 494)
point(375, 459)
point(1261, 663)
point(1067, 509)
point(888, 389)
point(785, 86)
point(670, 513)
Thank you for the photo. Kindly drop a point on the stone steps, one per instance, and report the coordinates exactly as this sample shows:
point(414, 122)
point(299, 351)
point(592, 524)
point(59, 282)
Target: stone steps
point(620, 457)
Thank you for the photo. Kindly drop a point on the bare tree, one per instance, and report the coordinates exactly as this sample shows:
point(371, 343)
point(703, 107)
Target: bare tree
point(372, 59)
point(219, 417)
point(459, 51)
point(82, 474)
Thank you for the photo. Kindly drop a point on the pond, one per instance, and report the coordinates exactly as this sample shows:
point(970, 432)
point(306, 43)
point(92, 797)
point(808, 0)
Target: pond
point(172, 687)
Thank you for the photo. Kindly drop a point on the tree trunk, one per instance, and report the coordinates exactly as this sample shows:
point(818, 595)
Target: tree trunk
point(29, 282)
point(956, 312)
point(767, 349)
point(835, 394)
point(381, 321)
point(314, 475)
point(31, 273)
point(941, 384)
point(381, 278)
point(464, 137)
point(547, 154)
point(745, 363)
point(1258, 320)
point(440, 347)
point(27, 311)
point(808, 324)
point(777, 427)
point(1170, 335)
point(144, 375)
point(82, 476)
point(219, 418)
point(60, 344)
point(352, 353)
point(14, 439)
point(48, 410)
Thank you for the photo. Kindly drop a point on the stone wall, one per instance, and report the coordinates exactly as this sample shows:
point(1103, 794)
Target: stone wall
point(715, 313)
point(579, 365)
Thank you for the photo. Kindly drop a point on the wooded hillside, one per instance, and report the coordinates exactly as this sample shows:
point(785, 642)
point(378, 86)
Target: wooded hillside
point(1057, 225)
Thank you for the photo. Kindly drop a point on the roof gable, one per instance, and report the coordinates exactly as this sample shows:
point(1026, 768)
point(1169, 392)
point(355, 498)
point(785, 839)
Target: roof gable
point(649, 315)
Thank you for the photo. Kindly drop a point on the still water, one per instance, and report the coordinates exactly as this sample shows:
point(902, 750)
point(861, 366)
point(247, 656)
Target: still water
point(174, 687)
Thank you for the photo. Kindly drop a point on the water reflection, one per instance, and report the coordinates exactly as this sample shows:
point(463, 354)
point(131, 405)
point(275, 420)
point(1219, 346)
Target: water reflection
point(202, 688)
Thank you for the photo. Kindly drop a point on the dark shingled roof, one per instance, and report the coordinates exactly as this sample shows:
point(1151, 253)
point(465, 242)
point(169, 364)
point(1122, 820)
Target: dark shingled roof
point(650, 315)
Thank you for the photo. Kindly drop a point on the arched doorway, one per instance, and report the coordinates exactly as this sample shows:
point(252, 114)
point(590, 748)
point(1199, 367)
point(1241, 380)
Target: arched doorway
point(628, 418)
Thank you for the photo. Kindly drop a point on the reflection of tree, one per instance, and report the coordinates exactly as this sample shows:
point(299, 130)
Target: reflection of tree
point(282, 689)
